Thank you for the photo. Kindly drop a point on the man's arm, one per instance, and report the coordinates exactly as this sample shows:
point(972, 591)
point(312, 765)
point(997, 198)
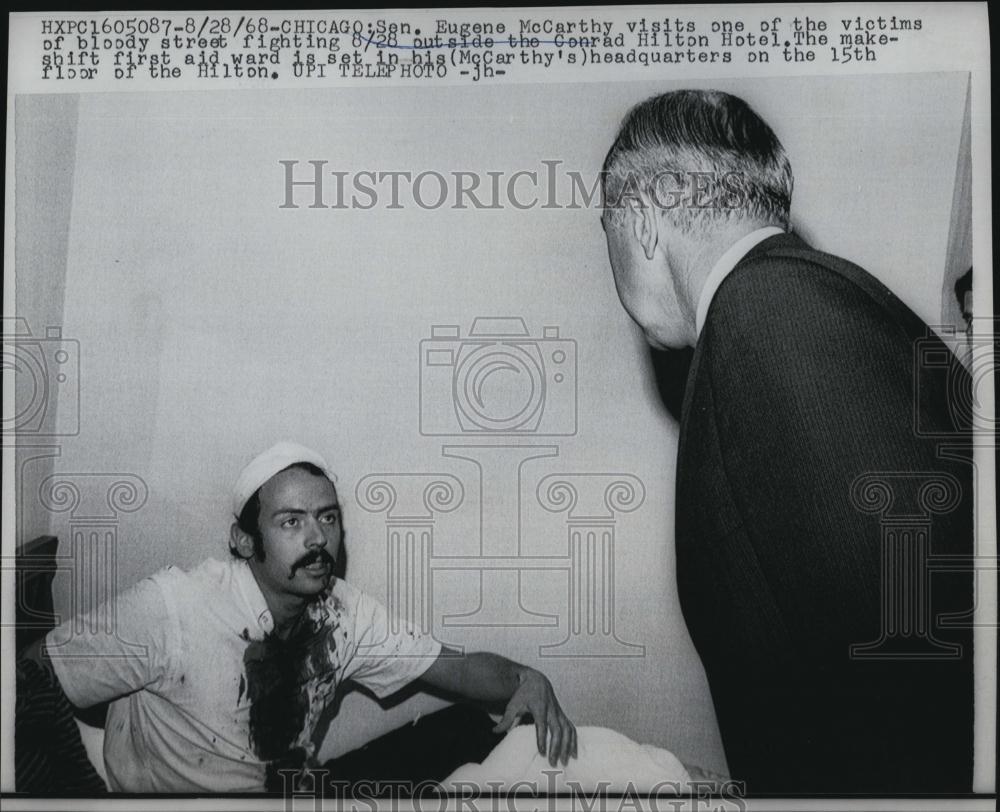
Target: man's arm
point(35, 652)
point(487, 677)
point(50, 756)
point(99, 664)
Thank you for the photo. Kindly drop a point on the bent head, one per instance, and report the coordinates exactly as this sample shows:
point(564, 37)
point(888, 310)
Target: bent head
point(686, 168)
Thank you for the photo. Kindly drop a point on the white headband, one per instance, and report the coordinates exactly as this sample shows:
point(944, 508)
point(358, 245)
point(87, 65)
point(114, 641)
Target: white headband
point(277, 458)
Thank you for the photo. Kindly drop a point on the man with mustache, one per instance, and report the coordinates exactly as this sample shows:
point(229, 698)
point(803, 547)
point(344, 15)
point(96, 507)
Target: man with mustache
point(221, 677)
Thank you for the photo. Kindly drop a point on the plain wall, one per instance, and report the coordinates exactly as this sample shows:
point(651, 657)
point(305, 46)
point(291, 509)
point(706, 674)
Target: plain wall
point(45, 145)
point(212, 323)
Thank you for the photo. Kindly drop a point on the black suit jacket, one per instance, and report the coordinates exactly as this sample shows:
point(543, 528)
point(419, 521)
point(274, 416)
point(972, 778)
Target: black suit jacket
point(802, 383)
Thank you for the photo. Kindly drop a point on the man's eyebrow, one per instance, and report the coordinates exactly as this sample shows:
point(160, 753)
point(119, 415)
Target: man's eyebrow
point(300, 512)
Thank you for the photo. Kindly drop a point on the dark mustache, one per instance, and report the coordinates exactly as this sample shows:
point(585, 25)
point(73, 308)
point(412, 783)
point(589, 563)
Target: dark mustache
point(315, 557)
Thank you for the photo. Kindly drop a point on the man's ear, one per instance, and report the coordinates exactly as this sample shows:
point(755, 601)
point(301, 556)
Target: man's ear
point(241, 542)
point(645, 224)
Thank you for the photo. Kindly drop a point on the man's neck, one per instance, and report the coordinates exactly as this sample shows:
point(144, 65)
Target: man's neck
point(696, 257)
point(286, 613)
point(285, 609)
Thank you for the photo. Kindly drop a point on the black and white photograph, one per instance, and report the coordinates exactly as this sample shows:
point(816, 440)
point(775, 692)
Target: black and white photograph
point(499, 408)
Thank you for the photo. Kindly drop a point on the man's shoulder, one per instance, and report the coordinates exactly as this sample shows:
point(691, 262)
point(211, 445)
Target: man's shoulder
point(346, 602)
point(347, 597)
point(784, 269)
point(786, 289)
point(346, 610)
point(791, 249)
point(209, 577)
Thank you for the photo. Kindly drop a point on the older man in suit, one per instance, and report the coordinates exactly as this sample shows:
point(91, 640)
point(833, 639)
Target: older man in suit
point(799, 404)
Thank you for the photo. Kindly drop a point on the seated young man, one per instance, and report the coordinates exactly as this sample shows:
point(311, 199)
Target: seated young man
point(220, 675)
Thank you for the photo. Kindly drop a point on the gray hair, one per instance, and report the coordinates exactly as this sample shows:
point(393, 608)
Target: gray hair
point(702, 155)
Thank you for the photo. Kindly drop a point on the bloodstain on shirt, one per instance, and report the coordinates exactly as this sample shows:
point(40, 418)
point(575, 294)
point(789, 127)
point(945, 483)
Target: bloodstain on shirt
point(281, 685)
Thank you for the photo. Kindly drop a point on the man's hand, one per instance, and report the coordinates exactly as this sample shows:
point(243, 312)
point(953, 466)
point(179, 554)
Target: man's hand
point(489, 677)
point(535, 696)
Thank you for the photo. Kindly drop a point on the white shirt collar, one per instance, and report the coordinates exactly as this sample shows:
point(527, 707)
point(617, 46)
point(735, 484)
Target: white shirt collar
point(725, 265)
point(253, 595)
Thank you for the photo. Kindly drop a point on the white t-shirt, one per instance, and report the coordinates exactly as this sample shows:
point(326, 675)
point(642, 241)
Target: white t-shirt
point(198, 705)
